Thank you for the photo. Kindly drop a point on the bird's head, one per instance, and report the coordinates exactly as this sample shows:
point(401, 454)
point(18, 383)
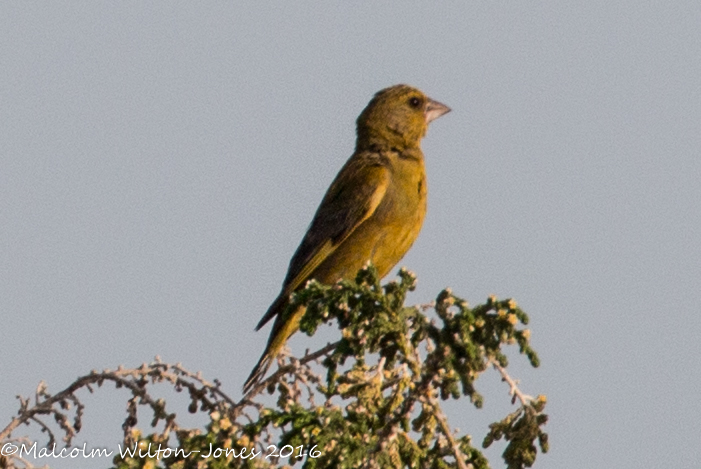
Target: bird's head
point(397, 117)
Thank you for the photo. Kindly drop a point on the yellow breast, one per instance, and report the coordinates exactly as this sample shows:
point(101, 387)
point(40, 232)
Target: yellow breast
point(386, 236)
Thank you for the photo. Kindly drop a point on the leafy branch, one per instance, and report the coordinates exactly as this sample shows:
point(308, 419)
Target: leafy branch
point(371, 399)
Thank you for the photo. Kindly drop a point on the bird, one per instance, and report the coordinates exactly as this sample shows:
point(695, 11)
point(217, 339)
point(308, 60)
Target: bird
point(373, 210)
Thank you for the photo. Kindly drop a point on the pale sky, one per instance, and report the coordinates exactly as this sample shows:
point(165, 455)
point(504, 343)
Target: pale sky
point(160, 162)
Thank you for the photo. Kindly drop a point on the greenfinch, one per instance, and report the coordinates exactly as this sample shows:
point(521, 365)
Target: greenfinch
point(373, 210)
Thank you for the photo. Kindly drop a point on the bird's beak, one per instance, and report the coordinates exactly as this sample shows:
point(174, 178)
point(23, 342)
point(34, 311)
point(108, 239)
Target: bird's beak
point(434, 110)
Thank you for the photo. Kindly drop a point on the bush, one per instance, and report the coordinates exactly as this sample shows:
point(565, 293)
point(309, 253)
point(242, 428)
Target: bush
point(374, 401)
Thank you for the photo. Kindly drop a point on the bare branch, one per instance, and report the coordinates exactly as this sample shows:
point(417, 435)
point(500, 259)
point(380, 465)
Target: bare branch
point(514, 391)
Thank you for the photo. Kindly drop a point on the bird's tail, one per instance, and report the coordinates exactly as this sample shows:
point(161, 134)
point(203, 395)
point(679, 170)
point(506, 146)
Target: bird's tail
point(285, 325)
point(258, 372)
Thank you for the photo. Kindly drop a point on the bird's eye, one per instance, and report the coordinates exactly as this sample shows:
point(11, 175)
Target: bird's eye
point(414, 102)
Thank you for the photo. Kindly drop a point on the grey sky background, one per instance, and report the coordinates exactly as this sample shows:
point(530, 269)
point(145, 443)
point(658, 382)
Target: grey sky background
point(160, 162)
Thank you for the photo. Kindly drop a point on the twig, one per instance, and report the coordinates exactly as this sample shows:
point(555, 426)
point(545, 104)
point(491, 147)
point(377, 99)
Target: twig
point(514, 391)
point(443, 423)
point(131, 379)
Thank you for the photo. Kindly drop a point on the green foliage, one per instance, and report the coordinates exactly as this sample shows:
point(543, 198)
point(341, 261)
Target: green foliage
point(381, 392)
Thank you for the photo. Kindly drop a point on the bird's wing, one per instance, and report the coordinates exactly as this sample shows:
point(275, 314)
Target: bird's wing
point(351, 199)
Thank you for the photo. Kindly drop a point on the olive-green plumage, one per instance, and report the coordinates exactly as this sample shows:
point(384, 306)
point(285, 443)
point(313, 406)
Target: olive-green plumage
point(373, 210)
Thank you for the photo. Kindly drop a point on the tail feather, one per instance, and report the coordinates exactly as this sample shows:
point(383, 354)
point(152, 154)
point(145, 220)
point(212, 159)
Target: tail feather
point(284, 326)
point(258, 372)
